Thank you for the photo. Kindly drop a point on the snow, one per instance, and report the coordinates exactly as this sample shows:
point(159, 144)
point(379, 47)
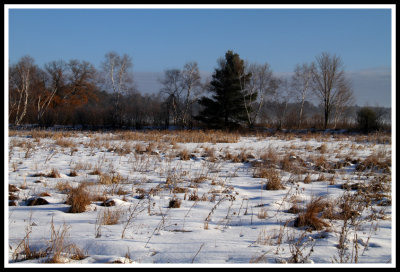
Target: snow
point(234, 221)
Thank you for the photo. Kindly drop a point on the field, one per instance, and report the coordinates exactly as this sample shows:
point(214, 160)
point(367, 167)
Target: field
point(199, 197)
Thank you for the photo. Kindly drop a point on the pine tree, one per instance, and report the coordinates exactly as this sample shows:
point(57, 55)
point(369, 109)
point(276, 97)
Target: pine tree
point(225, 108)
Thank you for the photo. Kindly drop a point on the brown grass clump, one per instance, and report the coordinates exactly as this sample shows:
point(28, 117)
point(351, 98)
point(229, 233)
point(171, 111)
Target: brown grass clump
point(320, 163)
point(65, 143)
point(375, 162)
point(209, 152)
point(286, 163)
point(12, 188)
point(107, 179)
point(307, 179)
point(110, 216)
point(174, 203)
point(322, 148)
point(78, 198)
point(199, 179)
point(36, 201)
point(179, 190)
point(63, 186)
point(269, 156)
point(184, 155)
point(310, 217)
point(262, 214)
point(295, 209)
point(274, 180)
point(96, 171)
point(73, 173)
point(54, 174)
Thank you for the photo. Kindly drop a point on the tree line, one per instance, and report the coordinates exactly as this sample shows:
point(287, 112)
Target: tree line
point(239, 94)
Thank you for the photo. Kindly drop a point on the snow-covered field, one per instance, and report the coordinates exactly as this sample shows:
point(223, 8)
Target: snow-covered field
point(189, 198)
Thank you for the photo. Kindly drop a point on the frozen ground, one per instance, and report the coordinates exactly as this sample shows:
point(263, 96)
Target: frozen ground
point(227, 211)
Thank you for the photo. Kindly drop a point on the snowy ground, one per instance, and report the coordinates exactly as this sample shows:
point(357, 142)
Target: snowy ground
point(226, 213)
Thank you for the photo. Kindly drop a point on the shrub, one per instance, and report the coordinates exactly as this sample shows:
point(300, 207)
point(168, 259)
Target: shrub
point(367, 119)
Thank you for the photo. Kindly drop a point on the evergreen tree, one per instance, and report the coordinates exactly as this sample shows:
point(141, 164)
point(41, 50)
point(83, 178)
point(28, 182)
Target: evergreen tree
point(225, 108)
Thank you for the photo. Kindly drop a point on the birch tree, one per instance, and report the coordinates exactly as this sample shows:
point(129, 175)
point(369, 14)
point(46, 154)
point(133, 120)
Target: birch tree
point(302, 84)
point(343, 100)
point(256, 88)
point(55, 78)
point(20, 77)
point(119, 78)
point(192, 88)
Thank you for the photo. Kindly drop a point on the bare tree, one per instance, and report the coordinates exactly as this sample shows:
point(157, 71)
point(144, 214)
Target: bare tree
point(182, 88)
point(55, 77)
point(302, 84)
point(192, 87)
point(329, 77)
point(172, 88)
point(80, 78)
point(20, 77)
point(119, 78)
point(281, 100)
point(343, 100)
point(255, 90)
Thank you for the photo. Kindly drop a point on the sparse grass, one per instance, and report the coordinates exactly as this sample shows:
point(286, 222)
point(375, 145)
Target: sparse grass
point(63, 186)
point(110, 216)
point(156, 152)
point(262, 213)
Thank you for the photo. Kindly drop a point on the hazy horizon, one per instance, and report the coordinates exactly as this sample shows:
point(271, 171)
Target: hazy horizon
point(372, 87)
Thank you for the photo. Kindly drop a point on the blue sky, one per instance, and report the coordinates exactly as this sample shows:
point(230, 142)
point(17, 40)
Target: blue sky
point(159, 39)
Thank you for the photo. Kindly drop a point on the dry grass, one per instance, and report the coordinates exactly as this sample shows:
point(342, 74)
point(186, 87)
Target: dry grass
point(310, 217)
point(63, 186)
point(272, 175)
point(262, 213)
point(323, 148)
point(73, 173)
point(107, 179)
point(54, 174)
point(377, 161)
point(184, 155)
point(307, 179)
point(79, 198)
point(174, 203)
point(110, 216)
point(66, 143)
point(182, 136)
point(269, 156)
